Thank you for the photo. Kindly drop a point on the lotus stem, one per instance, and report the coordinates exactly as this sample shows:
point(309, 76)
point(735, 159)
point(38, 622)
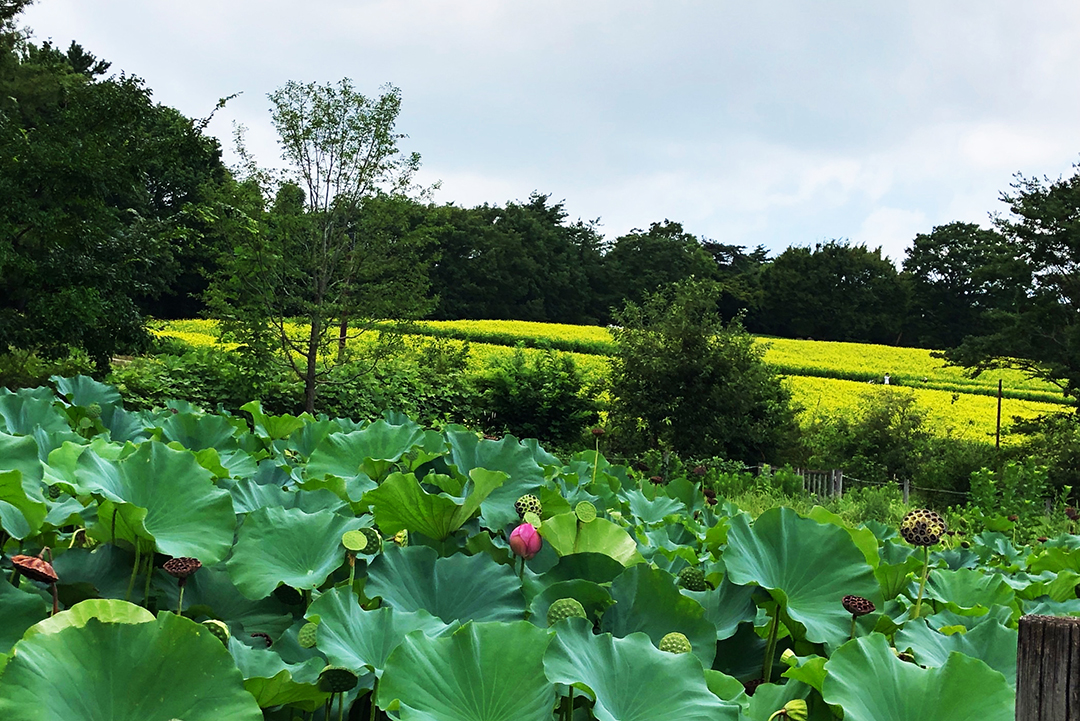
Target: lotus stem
point(149, 577)
point(15, 577)
point(180, 603)
point(922, 581)
point(854, 618)
point(352, 569)
point(341, 706)
point(781, 712)
point(570, 705)
point(770, 647)
point(374, 692)
point(596, 459)
point(134, 570)
point(55, 600)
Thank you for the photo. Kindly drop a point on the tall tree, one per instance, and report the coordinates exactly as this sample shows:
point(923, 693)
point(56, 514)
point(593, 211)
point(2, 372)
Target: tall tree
point(832, 291)
point(958, 273)
point(99, 185)
point(1040, 332)
point(318, 258)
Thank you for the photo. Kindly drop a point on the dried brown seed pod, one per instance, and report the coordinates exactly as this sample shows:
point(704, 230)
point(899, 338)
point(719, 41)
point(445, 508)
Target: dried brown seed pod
point(264, 637)
point(35, 568)
point(181, 567)
point(597, 431)
point(857, 605)
point(658, 480)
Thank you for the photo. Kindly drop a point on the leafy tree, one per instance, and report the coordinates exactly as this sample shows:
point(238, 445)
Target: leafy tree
point(98, 186)
point(1039, 333)
point(684, 380)
point(958, 273)
point(832, 291)
point(334, 248)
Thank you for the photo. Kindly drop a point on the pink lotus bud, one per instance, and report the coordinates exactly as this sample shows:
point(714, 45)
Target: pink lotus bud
point(525, 541)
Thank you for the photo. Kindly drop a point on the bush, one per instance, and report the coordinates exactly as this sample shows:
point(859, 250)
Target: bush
point(541, 395)
point(684, 381)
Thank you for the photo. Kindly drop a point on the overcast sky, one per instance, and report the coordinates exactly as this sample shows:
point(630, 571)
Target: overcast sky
point(774, 123)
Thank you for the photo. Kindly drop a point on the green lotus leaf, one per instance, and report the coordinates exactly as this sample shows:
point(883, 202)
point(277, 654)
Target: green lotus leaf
point(399, 503)
point(863, 537)
point(569, 536)
point(483, 672)
point(28, 409)
point(198, 431)
point(807, 566)
point(989, 642)
point(165, 669)
point(305, 440)
point(273, 682)
point(103, 610)
point(592, 596)
point(19, 610)
point(20, 453)
point(210, 593)
point(630, 678)
point(966, 590)
point(655, 511)
point(21, 513)
point(102, 572)
point(1056, 559)
point(83, 390)
point(458, 588)
point(517, 460)
point(1053, 608)
point(361, 640)
point(363, 454)
point(596, 567)
point(287, 546)
point(162, 496)
point(726, 606)
point(872, 684)
point(248, 496)
point(272, 427)
point(647, 600)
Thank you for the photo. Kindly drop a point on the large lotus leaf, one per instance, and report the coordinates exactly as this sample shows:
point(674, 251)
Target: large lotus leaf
point(1056, 559)
point(19, 610)
point(631, 679)
point(102, 610)
point(305, 440)
point(807, 566)
point(272, 681)
point(249, 496)
point(20, 453)
point(273, 427)
point(989, 642)
point(726, 606)
point(517, 460)
point(647, 600)
point(863, 537)
point(871, 684)
point(596, 567)
point(458, 588)
point(21, 512)
point(161, 495)
point(569, 536)
point(359, 639)
point(198, 431)
point(30, 408)
point(101, 572)
point(483, 672)
point(287, 546)
point(401, 503)
point(171, 668)
point(654, 511)
point(966, 589)
point(366, 453)
point(84, 390)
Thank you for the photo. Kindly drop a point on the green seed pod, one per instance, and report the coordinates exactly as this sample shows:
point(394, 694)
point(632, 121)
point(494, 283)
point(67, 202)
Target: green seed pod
point(217, 629)
point(796, 710)
point(337, 679)
point(374, 540)
point(401, 538)
point(532, 519)
point(526, 504)
point(585, 512)
point(54, 491)
point(692, 579)
point(308, 635)
point(675, 642)
point(922, 527)
point(565, 608)
point(355, 541)
point(93, 410)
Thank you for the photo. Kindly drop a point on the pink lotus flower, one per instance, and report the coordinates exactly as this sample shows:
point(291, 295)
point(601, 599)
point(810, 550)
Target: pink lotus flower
point(525, 541)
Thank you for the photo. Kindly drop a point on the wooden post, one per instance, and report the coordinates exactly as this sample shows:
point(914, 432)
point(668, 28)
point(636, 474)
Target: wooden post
point(837, 482)
point(1048, 669)
point(907, 489)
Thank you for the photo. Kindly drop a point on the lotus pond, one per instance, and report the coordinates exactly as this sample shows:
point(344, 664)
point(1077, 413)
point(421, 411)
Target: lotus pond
point(177, 564)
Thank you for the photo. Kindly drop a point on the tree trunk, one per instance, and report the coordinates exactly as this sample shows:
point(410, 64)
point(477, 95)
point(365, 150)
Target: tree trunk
point(343, 335)
point(312, 364)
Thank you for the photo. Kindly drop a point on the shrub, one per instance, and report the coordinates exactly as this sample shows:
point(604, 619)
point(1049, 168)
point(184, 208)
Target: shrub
point(684, 380)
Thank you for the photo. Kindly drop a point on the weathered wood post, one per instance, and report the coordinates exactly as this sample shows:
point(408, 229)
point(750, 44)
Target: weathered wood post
point(907, 490)
point(1048, 669)
point(837, 482)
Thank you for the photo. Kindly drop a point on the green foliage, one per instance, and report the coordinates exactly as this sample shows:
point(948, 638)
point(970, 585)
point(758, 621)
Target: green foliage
point(537, 396)
point(683, 380)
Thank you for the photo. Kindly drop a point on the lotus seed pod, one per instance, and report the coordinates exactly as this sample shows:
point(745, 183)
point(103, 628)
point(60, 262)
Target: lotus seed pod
point(35, 568)
point(181, 567)
point(532, 519)
point(857, 605)
point(788, 658)
point(528, 503)
point(922, 527)
point(218, 630)
point(93, 410)
point(692, 579)
point(337, 679)
point(675, 642)
point(308, 635)
point(598, 431)
point(585, 512)
point(796, 710)
point(355, 541)
point(54, 491)
point(265, 637)
point(401, 538)
point(374, 541)
point(565, 608)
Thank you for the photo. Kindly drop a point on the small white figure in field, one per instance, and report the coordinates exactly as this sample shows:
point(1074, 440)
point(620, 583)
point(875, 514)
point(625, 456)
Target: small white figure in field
point(886, 381)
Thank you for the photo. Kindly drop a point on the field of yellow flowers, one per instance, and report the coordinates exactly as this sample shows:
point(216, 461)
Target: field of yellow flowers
point(825, 377)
